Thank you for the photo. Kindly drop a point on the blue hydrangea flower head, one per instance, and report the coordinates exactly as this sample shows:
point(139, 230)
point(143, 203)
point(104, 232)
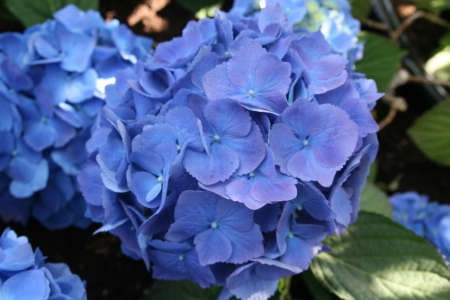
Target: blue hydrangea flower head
point(228, 156)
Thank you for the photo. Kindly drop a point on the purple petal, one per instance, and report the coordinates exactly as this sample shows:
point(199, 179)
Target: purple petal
point(250, 150)
point(246, 244)
point(219, 165)
point(186, 227)
point(212, 247)
point(26, 285)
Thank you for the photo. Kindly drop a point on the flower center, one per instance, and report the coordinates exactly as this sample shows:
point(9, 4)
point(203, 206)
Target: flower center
point(181, 257)
point(305, 143)
point(217, 138)
point(251, 93)
point(160, 178)
point(14, 153)
point(290, 235)
point(44, 120)
point(299, 207)
point(214, 224)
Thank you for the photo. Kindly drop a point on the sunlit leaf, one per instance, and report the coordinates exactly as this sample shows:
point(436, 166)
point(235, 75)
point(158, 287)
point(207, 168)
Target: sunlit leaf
point(373, 199)
point(439, 63)
point(31, 12)
point(380, 59)
point(376, 258)
point(431, 133)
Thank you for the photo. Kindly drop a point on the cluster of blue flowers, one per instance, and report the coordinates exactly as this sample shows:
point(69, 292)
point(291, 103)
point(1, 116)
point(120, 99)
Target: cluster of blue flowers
point(52, 80)
point(26, 275)
point(232, 152)
point(429, 220)
point(332, 17)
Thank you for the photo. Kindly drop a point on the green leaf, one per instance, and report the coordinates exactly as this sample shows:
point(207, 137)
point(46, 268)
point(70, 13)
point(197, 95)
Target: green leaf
point(431, 133)
point(377, 258)
point(435, 6)
point(32, 12)
point(317, 290)
point(360, 8)
point(186, 290)
point(439, 63)
point(4, 12)
point(373, 172)
point(424, 4)
point(380, 59)
point(375, 200)
point(195, 5)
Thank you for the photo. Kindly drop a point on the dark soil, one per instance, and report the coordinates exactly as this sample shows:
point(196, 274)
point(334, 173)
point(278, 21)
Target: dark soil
point(98, 259)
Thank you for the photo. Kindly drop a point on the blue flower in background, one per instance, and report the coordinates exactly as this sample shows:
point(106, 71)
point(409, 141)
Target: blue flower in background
point(25, 275)
point(50, 95)
point(429, 220)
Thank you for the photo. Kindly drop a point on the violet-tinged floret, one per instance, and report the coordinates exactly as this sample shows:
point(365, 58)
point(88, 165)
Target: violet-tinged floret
point(255, 78)
point(312, 141)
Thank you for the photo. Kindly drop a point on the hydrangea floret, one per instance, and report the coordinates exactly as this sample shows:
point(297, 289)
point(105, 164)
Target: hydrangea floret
point(332, 18)
point(429, 220)
point(52, 80)
point(24, 274)
point(228, 156)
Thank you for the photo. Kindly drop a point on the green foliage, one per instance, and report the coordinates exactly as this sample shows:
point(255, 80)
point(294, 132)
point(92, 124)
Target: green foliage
point(435, 6)
point(380, 60)
point(196, 5)
point(32, 12)
point(439, 63)
point(4, 12)
point(375, 200)
point(373, 172)
point(360, 8)
point(431, 133)
point(377, 258)
point(318, 291)
point(185, 289)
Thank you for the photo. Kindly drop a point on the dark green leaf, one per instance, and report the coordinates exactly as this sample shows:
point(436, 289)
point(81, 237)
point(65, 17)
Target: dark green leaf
point(195, 5)
point(375, 200)
point(424, 4)
point(380, 59)
point(360, 8)
point(373, 172)
point(4, 12)
point(186, 290)
point(318, 291)
point(31, 12)
point(378, 259)
point(431, 133)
